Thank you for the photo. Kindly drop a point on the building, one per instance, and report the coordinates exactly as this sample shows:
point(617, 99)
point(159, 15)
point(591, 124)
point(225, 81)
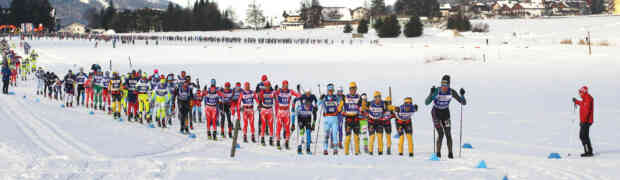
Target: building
point(331, 16)
point(445, 9)
point(292, 21)
point(360, 13)
point(75, 28)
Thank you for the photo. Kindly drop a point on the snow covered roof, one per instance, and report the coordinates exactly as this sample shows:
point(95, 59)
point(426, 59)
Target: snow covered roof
point(445, 6)
point(336, 14)
point(510, 4)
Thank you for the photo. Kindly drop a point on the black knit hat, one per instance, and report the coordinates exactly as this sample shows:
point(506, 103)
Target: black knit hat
point(445, 80)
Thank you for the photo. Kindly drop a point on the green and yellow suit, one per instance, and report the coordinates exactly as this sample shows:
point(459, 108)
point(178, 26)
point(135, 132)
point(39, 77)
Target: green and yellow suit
point(160, 97)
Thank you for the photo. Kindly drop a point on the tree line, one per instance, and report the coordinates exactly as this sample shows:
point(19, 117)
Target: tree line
point(29, 11)
point(203, 16)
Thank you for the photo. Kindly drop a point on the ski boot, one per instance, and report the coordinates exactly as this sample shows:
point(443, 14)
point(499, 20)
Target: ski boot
point(380, 153)
point(438, 154)
point(245, 138)
point(209, 135)
point(308, 150)
point(389, 151)
point(400, 154)
point(335, 151)
point(299, 149)
point(262, 141)
point(223, 135)
point(340, 145)
point(253, 139)
point(325, 152)
point(270, 141)
point(410, 154)
point(230, 133)
point(366, 150)
point(370, 153)
point(278, 145)
point(450, 155)
point(286, 145)
point(215, 135)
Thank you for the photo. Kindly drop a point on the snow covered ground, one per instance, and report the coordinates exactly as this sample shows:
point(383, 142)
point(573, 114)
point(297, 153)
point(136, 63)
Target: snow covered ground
point(519, 109)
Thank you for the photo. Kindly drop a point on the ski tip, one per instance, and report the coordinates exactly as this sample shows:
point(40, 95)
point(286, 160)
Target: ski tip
point(62, 106)
point(11, 93)
point(151, 126)
point(24, 97)
point(192, 136)
point(554, 155)
point(482, 165)
point(505, 178)
point(467, 146)
point(434, 157)
point(91, 113)
point(237, 146)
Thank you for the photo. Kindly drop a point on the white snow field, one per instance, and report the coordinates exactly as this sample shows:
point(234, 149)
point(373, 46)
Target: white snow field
point(519, 110)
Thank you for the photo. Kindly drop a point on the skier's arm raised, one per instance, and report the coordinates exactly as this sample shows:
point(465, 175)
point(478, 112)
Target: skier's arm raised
point(431, 96)
point(461, 99)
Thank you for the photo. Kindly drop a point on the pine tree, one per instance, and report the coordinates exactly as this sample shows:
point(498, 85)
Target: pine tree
point(414, 27)
point(378, 24)
point(254, 15)
point(362, 28)
point(348, 28)
point(390, 28)
point(377, 8)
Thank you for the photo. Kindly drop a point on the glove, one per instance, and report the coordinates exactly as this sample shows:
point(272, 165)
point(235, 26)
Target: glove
point(293, 127)
point(312, 128)
point(433, 89)
point(322, 97)
point(415, 107)
point(462, 91)
point(574, 100)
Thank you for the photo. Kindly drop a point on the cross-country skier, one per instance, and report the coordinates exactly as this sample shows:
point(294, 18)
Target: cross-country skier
point(212, 98)
point(363, 118)
point(330, 104)
point(143, 99)
point(306, 123)
point(266, 99)
point(376, 112)
point(184, 95)
point(69, 88)
point(351, 107)
point(586, 116)
point(404, 124)
point(246, 101)
point(115, 91)
point(197, 106)
point(89, 91)
point(441, 98)
point(235, 100)
point(98, 89)
point(80, 79)
point(227, 94)
point(363, 121)
point(388, 116)
point(172, 89)
point(283, 98)
point(132, 96)
point(106, 93)
point(161, 96)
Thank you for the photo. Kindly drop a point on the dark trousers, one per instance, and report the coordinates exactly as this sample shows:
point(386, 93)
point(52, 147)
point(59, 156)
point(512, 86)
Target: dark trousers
point(584, 135)
point(184, 110)
point(441, 120)
point(5, 86)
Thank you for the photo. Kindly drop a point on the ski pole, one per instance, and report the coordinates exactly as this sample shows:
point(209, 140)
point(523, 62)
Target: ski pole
point(318, 128)
point(461, 134)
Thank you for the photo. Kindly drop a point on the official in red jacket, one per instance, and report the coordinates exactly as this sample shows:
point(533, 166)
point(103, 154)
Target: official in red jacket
point(586, 111)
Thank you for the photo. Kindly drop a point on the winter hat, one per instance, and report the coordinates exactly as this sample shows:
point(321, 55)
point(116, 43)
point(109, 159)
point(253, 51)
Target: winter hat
point(213, 82)
point(583, 90)
point(445, 80)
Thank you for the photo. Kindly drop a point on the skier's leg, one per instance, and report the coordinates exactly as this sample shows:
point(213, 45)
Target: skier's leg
point(356, 136)
point(279, 122)
point(379, 136)
point(340, 125)
point(334, 131)
point(326, 126)
point(371, 134)
point(401, 139)
point(387, 129)
point(287, 125)
point(448, 132)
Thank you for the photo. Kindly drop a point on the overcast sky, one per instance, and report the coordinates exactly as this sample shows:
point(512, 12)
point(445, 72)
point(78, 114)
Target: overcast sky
point(276, 7)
